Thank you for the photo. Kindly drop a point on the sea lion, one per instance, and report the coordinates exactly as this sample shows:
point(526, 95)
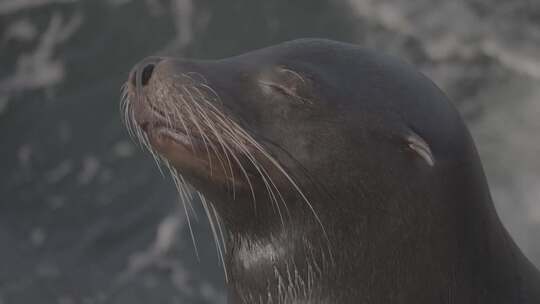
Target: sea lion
point(331, 174)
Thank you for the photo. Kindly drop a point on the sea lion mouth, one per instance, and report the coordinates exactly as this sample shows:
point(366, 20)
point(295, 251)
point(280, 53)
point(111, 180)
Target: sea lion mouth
point(171, 134)
point(185, 145)
point(163, 133)
point(160, 132)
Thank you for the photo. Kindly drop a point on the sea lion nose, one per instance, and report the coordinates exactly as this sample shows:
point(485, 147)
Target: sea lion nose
point(142, 72)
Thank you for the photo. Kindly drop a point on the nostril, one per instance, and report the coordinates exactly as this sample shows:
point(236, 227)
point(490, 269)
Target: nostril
point(144, 126)
point(142, 72)
point(147, 73)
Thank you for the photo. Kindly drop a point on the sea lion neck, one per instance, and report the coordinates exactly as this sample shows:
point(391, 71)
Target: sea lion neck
point(390, 262)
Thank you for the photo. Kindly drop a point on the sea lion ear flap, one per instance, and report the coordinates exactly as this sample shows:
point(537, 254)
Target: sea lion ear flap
point(420, 147)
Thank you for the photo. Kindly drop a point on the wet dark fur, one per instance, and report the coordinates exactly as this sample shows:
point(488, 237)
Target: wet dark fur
point(330, 174)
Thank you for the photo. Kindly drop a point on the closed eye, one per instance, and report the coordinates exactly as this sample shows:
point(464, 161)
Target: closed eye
point(278, 88)
point(281, 89)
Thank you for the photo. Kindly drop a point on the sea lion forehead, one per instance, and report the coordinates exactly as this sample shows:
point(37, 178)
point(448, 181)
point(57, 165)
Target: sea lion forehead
point(314, 51)
point(344, 66)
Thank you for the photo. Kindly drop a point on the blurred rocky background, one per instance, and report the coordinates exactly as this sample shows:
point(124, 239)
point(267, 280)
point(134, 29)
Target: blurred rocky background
point(86, 217)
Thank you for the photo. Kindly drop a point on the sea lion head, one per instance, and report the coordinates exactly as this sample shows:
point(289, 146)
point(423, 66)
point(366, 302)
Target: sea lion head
point(302, 147)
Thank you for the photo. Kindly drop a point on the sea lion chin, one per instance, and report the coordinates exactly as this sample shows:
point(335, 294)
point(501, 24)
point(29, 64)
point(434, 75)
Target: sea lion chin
point(334, 174)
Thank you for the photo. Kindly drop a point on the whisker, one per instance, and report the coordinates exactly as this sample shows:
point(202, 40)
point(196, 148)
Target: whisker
point(182, 188)
point(184, 202)
point(188, 194)
point(218, 219)
point(194, 119)
point(217, 135)
point(229, 130)
point(214, 233)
